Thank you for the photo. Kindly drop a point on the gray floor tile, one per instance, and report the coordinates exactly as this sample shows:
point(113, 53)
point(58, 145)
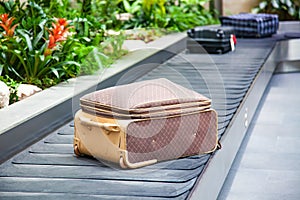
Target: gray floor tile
point(256, 196)
point(266, 181)
point(267, 164)
point(271, 117)
point(271, 161)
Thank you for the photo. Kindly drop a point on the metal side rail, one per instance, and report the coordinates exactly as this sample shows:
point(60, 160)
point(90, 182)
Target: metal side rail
point(235, 82)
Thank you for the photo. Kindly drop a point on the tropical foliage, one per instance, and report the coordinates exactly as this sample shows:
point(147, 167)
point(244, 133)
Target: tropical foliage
point(40, 49)
point(45, 42)
point(32, 55)
point(172, 15)
point(286, 9)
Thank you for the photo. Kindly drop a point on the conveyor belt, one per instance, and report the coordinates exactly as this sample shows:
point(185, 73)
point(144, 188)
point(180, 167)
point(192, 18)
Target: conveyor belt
point(49, 169)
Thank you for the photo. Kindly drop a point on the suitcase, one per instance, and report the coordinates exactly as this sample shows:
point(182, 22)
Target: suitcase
point(142, 123)
point(211, 40)
point(252, 25)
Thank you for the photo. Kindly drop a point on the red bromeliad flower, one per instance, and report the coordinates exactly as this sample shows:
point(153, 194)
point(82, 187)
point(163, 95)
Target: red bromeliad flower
point(63, 22)
point(6, 24)
point(58, 33)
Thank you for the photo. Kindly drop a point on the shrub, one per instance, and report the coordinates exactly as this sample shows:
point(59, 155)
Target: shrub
point(40, 46)
point(40, 49)
point(32, 54)
point(172, 15)
point(286, 9)
point(13, 88)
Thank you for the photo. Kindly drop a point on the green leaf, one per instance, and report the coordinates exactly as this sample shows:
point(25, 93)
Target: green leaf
point(292, 11)
point(135, 7)
point(41, 33)
point(42, 49)
point(275, 4)
point(263, 5)
point(36, 63)
point(86, 39)
point(27, 38)
point(17, 51)
point(21, 59)
point(55, 72)
point(86, 29)
point(1, 68)
point(127, 6)
point(289, 3)
point(42, 57)
point(57, 66)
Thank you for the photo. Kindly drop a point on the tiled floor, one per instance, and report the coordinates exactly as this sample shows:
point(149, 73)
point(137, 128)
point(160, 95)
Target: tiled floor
point(267, 167)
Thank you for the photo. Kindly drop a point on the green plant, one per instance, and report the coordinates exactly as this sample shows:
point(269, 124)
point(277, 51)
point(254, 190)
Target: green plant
point(6, 23)
point(172, 15)
point(112, 46)
point(102, 56)
point(37, 47)
point(8, 44)
point(13, 88)
point(286, 9)
point(95, 60)
point(155, 12)
point(11, 7)
point(105, 12)
point(145, 13)
point(33, 55)
point(188, 14)
point(44, 62)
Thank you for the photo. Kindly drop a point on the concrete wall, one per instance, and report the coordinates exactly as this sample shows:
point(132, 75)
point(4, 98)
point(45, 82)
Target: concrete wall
point(237, 6)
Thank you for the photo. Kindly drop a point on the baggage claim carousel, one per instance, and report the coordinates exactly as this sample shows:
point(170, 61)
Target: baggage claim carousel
point(234, 81)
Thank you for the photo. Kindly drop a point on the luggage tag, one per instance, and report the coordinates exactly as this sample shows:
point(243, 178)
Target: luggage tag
point(232, 42)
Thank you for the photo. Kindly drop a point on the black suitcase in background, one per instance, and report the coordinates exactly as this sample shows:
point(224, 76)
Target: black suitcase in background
point(216, 40)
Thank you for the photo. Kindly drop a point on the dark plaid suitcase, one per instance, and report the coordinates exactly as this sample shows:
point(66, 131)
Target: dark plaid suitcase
point(252, 25)
point(211, 40)
point(143, 123)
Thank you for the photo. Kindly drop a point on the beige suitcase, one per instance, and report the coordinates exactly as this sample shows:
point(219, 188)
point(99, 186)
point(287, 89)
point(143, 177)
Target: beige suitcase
point(142, 123)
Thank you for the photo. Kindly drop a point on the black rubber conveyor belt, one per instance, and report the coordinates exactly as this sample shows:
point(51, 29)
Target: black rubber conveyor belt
point(50, 170)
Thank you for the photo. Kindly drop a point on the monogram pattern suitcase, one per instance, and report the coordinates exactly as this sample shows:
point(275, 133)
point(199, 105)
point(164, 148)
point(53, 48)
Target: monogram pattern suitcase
point(252, 25)
point(142, 123)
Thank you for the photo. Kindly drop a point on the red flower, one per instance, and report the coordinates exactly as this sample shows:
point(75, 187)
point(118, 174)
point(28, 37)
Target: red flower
point(52, 42)
point(6, 24)
point(63, 22)
point(58, 33)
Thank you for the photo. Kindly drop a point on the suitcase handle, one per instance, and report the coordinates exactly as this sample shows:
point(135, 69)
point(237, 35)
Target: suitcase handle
point(124, 162)
point(106, 126)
